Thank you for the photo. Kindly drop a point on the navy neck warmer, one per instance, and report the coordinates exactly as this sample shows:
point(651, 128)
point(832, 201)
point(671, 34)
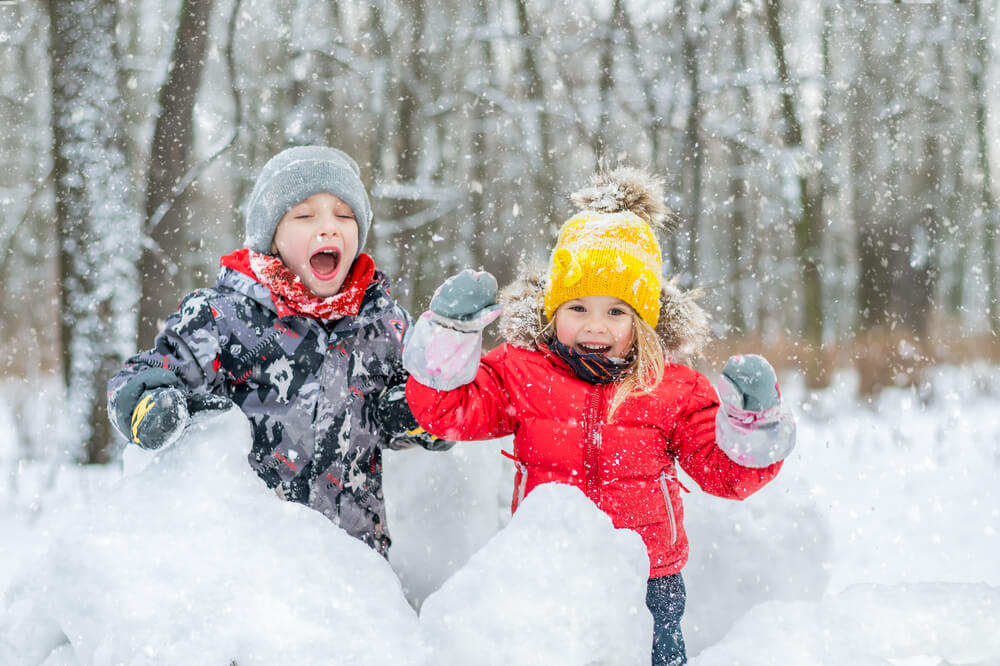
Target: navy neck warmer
point(593, 368)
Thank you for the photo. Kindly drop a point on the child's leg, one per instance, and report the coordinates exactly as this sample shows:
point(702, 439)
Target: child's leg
point(665, 598)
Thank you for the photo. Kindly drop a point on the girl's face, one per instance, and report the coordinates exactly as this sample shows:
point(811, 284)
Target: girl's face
point(317, 239)
point(595, 324)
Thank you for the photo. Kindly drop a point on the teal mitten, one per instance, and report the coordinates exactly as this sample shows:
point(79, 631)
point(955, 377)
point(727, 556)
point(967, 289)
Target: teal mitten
point(755, 381)
point(465, 296)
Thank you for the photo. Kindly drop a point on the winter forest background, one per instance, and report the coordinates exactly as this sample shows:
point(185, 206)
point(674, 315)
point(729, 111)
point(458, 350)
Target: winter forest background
point(833, 168)
point(830, 162)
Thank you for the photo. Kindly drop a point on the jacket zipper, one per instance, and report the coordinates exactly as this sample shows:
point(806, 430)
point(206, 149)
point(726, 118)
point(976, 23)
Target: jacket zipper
point(670, 507)
point(592, 444)
point(523, 469)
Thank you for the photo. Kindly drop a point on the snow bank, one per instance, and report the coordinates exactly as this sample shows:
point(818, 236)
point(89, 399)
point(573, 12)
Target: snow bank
point(956, 623)
point(559, 585)
point(442, 507)
point(190, 559)
point(775, 545)
point(193, 560)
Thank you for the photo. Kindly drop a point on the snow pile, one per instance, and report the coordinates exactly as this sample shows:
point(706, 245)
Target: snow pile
point(193, 560)
point(776, 544)
point(442, 507)
point(559, 585)
point(190, 559)
point(937, 623)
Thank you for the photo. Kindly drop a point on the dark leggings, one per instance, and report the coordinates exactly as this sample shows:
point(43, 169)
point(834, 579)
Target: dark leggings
point(665, 597)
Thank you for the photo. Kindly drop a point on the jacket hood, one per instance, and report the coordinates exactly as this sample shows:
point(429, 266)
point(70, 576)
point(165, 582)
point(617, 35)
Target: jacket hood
point(682, 328)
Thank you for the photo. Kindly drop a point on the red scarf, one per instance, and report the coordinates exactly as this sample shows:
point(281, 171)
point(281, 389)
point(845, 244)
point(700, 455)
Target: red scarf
point(290, 296)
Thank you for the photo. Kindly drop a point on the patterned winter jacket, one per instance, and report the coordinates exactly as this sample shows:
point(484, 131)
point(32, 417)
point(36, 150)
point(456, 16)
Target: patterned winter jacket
point(322, 398)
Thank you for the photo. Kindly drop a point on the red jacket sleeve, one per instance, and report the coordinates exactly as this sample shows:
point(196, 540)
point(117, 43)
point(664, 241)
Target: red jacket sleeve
point(693, 443)
point(479, 410)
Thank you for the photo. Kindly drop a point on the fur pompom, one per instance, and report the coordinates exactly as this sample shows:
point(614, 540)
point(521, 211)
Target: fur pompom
point(627, 189)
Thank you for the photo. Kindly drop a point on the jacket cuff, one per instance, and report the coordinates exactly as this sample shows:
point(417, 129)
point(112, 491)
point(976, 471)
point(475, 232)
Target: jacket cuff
point(444, 353)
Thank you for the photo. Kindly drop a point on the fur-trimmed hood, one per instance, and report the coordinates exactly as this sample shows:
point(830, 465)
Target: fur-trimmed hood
point(683, 325)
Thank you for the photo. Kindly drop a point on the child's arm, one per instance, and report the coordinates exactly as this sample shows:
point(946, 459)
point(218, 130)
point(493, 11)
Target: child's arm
point(393, 414)
point(733, 451)
point(453, 392)
point(150, 399)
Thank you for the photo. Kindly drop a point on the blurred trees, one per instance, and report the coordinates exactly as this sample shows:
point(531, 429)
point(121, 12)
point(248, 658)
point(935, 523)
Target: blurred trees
point(831, 161)
point(95, 218)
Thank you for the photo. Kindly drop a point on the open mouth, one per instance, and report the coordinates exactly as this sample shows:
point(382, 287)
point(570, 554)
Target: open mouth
point(324, 264)
point(592, 348)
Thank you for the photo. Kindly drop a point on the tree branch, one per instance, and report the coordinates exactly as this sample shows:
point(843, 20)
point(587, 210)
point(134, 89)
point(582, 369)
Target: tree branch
point(195, 172)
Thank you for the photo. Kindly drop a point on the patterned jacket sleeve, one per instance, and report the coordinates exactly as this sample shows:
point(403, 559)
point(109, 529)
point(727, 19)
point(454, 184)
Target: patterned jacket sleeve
point(185, 354)
point(393, 413)
point(694, 444)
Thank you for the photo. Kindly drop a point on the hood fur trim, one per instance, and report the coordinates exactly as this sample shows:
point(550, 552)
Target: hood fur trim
point(627, 189)
point(683, 326)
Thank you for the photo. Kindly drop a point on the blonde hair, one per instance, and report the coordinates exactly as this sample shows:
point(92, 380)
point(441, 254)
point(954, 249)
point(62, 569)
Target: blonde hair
point(643, 373)
point(646, 368)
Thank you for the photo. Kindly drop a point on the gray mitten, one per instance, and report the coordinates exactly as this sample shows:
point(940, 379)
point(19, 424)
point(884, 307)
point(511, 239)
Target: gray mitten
point(755, 381)
point(466, 296)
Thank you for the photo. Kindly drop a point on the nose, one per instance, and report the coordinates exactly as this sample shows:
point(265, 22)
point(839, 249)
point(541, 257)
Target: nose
point(594, 324)
point(327, 226)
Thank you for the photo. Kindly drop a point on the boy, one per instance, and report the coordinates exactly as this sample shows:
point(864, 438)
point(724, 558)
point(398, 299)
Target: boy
point(302, 335)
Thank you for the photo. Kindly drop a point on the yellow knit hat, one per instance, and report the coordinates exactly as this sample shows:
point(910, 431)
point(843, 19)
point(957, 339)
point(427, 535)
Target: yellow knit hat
point(610, 247)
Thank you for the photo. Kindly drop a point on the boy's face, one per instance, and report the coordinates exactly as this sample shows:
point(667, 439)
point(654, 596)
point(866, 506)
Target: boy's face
point(317, 239)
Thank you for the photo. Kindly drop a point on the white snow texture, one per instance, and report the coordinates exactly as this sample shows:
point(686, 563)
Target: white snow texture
point(876, 544)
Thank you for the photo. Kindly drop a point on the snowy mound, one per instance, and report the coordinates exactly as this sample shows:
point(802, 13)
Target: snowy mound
point(559, 585)
point(190, 559)
point(194, 561)
point(931, 623)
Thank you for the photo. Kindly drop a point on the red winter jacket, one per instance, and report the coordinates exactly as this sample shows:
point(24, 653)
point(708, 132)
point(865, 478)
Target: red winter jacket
point(626, 467)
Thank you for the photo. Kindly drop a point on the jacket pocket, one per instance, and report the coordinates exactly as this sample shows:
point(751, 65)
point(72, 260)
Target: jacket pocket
point(670, 506)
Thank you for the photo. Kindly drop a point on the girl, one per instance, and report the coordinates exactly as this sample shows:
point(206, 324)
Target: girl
point(586, 385)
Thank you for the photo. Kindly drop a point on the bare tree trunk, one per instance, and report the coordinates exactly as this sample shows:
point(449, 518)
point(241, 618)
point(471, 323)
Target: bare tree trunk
point(95, 215)
point(738, 194)
point(978, 78)
point(163, 285)
point(694, 156)
point(545, 178)
point(809, 225)
point(606, 85)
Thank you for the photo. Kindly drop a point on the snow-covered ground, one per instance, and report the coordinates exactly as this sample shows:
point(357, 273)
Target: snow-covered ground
point(878, 543)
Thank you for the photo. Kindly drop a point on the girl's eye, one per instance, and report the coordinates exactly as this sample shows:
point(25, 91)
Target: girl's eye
point(577, 308)
point(616, 312)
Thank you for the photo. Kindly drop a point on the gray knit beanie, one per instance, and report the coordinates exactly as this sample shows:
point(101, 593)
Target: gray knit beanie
point(296, 173)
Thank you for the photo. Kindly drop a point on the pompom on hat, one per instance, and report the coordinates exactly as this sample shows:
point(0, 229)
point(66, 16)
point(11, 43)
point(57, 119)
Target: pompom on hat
point(295, 174)
point(610, 247)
